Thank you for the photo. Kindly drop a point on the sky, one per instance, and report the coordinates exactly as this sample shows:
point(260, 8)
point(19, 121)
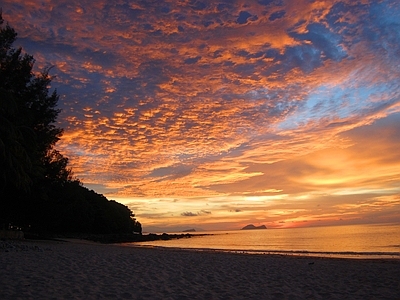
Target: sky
point(217, 114)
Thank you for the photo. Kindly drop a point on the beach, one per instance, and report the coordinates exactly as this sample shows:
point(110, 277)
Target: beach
point(85, 270)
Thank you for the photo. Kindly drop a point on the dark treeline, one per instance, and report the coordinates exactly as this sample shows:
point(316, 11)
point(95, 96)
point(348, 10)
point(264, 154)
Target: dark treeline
point(37, 189)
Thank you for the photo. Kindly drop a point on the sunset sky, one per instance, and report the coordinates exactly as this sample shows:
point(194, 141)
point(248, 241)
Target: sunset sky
point(217, 114)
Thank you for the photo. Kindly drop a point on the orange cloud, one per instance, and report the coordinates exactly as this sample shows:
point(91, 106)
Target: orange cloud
point(253, 112)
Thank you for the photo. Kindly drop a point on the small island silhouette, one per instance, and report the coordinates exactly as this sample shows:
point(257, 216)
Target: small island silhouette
point(251, 226)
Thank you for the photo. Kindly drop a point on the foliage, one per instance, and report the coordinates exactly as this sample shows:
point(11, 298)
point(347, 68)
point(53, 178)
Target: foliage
point(36, 185)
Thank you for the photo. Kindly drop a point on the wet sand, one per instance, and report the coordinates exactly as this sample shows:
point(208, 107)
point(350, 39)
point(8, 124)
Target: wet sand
point(84, 270)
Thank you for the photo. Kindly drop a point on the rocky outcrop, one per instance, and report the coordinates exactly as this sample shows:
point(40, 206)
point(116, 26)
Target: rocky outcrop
point(251, 226)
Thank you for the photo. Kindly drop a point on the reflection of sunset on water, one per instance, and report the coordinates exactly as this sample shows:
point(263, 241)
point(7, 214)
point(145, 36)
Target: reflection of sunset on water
point(218, 114)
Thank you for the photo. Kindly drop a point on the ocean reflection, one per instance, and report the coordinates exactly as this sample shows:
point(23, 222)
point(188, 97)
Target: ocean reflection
point(355, 241)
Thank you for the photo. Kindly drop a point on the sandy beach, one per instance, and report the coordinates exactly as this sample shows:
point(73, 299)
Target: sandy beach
point(83, 270)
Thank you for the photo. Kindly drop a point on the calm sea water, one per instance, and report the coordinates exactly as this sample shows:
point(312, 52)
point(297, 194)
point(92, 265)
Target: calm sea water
point(354, 241)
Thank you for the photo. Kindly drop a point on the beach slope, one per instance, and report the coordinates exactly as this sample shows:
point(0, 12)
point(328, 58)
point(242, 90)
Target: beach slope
point(81, 270)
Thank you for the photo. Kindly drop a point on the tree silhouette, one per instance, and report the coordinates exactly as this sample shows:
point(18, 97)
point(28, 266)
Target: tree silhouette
point(14, 159)
point(36, 185)
point(28, 133)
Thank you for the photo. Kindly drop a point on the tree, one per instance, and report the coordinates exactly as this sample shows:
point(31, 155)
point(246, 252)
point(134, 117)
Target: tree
point(36, 185)
point(14, 160)
point(28, 132)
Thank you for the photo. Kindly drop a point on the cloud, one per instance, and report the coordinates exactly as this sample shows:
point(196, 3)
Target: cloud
point(188, 214)
point(171, 172)
point(205, 100)
point(277, 15)
point(193, 60)
point(245, 16)
point(200, 213)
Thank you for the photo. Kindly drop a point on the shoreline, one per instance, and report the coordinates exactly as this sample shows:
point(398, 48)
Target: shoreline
point(339, 255)
point(82, 269)
point(311, 258)
point(111, 238)
point(284, 253)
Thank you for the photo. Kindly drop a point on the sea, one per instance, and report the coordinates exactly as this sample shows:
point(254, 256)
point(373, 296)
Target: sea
point(350, 241)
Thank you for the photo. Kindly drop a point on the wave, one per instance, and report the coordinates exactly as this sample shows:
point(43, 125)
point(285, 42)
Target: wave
point(333, 254)
point(304, 253)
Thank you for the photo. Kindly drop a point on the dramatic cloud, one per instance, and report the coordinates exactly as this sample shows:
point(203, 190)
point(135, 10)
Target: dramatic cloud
point(272, 112)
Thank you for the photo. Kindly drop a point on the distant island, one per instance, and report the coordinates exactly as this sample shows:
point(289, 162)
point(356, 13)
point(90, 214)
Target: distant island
point(189, 230)
point(251, 226)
